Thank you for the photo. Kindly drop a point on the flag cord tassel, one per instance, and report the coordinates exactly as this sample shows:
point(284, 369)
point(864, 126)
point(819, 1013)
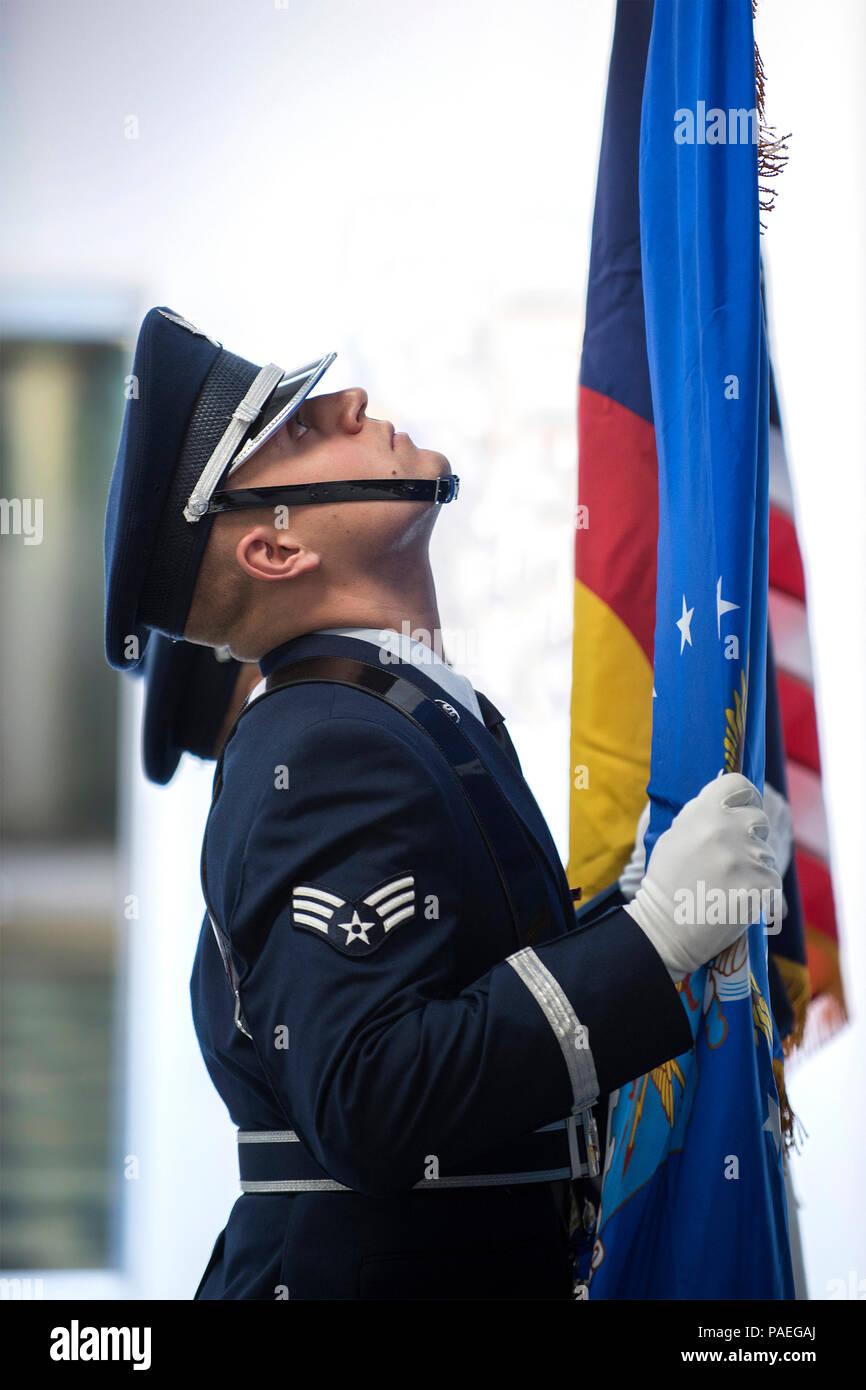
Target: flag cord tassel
point(772, 149)
point(791, 1126)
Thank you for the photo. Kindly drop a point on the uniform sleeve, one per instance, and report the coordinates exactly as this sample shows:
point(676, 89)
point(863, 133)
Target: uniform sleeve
point(346, 938)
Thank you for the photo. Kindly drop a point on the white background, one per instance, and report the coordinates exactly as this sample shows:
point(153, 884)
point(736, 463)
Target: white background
point(412, 187)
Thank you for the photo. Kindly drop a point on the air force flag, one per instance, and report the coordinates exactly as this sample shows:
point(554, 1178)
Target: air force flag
point(693, 1202)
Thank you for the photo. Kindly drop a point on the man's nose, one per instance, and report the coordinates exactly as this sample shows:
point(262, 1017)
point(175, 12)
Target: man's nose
point(339, 412)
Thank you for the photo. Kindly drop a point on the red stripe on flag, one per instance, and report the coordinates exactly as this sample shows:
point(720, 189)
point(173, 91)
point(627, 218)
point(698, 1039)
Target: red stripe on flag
point(799, 721)
point(816, 892)
point(785, 562)
point(615, 553)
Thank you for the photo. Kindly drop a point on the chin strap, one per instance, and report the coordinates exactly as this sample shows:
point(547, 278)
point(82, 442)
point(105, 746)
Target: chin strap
point(438, 490)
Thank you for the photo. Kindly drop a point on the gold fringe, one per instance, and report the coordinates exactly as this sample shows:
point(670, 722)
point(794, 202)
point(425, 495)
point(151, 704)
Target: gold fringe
point(772, 149)
point(825, 1017)
point(795, 978)
point(792, 1129)
point(822, 952)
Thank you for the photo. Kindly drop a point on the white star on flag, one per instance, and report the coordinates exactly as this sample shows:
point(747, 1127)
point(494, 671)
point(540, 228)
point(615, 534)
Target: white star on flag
point(773, 1123)
point(722, 606)
point(684, 625)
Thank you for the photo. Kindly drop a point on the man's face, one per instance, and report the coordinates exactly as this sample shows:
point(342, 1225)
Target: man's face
point(334, 544)
point(330, 439)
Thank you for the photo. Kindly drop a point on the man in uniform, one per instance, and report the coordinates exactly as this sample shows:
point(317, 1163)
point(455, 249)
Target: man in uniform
point(393, 1001)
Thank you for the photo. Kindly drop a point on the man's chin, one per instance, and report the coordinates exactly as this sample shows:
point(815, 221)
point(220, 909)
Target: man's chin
point(439, 467)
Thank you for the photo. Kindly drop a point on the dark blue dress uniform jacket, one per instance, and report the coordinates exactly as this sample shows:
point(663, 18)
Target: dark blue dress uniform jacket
point(423, 1040)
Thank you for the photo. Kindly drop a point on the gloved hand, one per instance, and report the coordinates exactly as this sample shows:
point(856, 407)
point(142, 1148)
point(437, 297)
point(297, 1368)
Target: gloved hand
point(719, 837)
point(780, 841)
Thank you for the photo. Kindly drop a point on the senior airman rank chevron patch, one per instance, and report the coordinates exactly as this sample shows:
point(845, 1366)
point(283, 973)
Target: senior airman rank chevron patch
point(355, 927)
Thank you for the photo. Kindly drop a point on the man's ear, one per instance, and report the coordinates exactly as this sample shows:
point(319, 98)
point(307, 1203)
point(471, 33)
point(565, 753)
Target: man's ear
point(263, 553)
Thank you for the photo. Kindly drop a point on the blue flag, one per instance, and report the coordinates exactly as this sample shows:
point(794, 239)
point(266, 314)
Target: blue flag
point(693, 1202)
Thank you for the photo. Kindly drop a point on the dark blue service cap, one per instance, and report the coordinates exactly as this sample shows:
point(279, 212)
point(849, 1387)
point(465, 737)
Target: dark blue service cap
point(193, 412)
point(189, 691)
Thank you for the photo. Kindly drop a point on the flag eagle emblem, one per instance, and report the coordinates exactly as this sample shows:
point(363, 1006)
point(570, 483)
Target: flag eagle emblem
point(355, 926)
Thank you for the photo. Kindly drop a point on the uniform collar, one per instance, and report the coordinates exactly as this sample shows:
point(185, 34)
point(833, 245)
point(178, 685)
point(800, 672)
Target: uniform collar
point(401, 650)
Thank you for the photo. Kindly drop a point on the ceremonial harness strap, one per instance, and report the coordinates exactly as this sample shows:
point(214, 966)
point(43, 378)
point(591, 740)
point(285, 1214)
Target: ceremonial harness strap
point(507, 842)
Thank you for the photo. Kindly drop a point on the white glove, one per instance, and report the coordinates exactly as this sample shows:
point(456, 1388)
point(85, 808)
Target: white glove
point(719, 838)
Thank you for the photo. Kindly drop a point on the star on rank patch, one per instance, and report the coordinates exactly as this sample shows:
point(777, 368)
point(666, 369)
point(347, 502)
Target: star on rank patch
point(355, 927)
